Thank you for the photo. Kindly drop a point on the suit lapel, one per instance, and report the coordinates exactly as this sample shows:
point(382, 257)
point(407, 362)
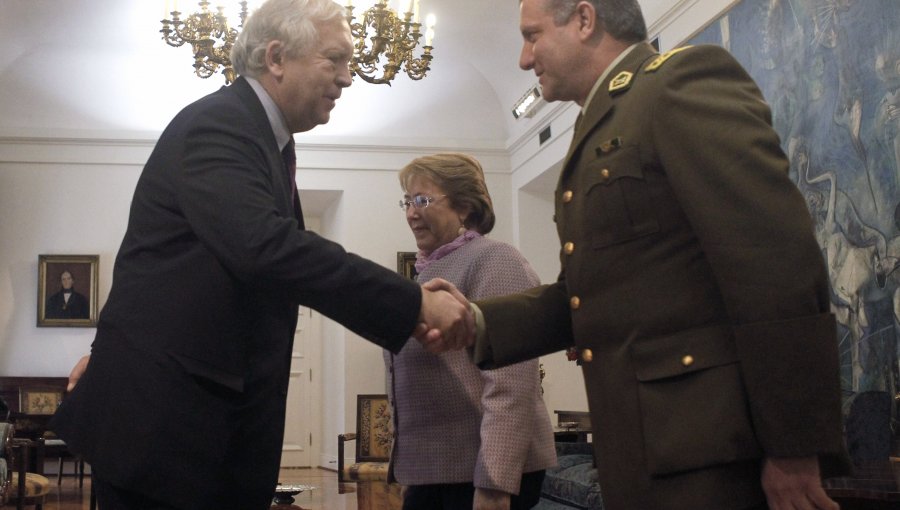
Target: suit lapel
point(277, 172)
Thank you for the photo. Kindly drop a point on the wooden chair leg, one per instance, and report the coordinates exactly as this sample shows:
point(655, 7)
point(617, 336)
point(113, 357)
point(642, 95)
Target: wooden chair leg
point(59, 470)
point(93, 494)
point(20, 498)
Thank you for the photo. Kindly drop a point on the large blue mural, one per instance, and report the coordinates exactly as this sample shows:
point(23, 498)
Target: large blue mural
point(830, 70)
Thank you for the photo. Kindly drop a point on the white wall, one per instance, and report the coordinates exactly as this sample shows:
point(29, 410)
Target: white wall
point(56, 198)
point(683, 19)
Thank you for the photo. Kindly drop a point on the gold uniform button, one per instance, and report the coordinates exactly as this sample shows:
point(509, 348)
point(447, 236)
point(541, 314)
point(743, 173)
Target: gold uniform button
point(604, 173)
point(687, 360)
point(587, 355)
point(567, 196)
point(574, 302)
point(568, 248)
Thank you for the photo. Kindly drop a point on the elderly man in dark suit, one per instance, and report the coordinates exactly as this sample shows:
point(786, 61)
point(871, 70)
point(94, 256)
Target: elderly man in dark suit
point(182, 403)
point(691, 282)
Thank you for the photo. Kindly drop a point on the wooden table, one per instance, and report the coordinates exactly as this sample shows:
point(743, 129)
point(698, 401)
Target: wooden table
point(873, 486)
point(572, 426)
point(30, 426)
point(569, 435)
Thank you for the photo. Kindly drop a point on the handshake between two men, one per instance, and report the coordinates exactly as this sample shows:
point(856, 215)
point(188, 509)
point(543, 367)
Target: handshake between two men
point(446, 321)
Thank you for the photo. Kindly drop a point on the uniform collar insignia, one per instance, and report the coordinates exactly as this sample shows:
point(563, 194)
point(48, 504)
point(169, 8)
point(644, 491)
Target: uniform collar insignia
point(621, 82)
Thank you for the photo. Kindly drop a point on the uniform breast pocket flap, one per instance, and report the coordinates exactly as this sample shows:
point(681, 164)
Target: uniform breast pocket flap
point(617, 198)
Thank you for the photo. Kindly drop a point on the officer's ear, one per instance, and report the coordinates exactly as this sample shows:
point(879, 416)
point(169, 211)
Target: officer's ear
point(586, 18)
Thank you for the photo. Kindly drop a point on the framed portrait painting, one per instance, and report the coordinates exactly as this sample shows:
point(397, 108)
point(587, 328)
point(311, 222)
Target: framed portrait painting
point(406, 264)
point(67, 290)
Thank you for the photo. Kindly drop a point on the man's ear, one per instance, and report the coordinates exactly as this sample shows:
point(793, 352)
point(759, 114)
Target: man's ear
point(586, 18)
point(275, 58)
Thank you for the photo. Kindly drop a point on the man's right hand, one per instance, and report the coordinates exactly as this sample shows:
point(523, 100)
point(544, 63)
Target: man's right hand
point(794, 483)
point(450, 324)
point(77, 372)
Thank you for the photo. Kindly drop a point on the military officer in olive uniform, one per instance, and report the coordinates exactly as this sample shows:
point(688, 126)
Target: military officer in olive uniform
point(691, 281)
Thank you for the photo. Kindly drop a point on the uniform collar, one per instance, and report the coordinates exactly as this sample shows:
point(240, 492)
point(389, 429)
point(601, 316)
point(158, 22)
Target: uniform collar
point(612, 65)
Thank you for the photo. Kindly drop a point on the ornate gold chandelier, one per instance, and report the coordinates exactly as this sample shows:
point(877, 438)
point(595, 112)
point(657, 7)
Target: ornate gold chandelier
point(380, 33)
point(208, 34)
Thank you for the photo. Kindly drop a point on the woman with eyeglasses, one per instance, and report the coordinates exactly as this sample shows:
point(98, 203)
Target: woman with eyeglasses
point(464, 438)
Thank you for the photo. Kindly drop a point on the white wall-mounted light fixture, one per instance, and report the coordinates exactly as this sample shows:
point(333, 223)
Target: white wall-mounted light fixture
point(529, 104)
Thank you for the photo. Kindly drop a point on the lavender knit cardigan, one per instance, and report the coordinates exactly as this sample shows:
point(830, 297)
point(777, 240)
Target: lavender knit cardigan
point(454, 423)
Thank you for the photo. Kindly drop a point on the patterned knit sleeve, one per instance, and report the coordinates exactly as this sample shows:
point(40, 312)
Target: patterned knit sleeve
point(510, 393)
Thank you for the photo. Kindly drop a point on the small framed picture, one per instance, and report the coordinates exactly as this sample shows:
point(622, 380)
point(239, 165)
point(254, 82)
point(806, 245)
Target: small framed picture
point(40, 401)
point(67, 290)
point(406, 264)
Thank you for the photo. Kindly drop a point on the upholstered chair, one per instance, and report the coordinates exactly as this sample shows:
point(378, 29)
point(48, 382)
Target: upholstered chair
point(20, 486)
point(374, 438)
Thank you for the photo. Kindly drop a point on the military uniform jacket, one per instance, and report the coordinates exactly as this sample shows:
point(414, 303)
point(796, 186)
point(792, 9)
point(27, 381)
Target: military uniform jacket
point(692, 284)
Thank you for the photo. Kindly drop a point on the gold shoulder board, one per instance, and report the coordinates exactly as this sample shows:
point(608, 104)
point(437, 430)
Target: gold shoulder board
point(660, 60)
point(621, 81)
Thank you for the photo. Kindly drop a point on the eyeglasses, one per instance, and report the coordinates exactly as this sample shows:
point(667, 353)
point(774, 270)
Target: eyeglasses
point(418, 201)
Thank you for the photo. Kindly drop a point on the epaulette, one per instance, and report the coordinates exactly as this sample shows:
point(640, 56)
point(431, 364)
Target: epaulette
point(660, 60)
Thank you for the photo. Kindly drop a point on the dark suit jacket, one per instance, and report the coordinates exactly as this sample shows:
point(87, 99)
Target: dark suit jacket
point(693, 285)
point(185, 392)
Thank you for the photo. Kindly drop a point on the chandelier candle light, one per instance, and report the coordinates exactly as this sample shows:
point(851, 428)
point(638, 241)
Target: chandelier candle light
point(382, 32)
point(209, 35)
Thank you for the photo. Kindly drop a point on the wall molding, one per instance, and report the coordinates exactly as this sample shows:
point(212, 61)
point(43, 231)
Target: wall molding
point(315, 153)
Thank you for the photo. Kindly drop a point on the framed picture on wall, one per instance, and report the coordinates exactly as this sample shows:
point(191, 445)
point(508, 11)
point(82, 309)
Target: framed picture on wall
point(406, 264)
point(40, 401)
point(67, 290)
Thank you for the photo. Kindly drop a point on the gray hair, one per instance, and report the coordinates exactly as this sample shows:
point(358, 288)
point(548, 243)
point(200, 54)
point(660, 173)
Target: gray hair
point(293, 22)
point(621, 19)
point(462, 179)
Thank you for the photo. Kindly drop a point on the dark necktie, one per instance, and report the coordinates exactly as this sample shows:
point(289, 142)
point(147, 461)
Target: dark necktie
point(290, 163)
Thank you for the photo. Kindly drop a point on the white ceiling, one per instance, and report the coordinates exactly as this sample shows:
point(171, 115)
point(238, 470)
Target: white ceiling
point(98, 68)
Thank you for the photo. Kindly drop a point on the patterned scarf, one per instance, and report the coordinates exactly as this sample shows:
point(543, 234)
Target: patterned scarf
point(423, 261)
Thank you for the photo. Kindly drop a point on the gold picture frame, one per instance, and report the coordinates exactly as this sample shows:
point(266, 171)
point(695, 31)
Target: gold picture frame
point(39, 401)
point(406, 264)
point(67, 290)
